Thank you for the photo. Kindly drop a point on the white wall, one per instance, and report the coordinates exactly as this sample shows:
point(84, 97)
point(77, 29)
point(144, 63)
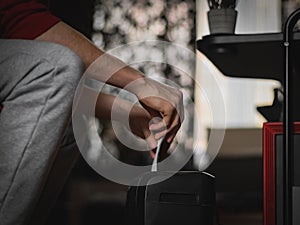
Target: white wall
point(241, 96)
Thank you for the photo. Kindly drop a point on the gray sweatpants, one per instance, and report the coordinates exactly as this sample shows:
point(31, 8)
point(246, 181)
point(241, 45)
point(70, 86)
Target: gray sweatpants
point(37, 85)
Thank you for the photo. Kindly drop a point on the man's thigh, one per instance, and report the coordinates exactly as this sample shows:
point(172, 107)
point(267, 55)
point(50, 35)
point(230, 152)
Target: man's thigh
point(37, 84)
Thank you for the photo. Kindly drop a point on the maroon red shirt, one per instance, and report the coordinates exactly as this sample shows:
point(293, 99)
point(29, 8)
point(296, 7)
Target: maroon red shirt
point(24, 19)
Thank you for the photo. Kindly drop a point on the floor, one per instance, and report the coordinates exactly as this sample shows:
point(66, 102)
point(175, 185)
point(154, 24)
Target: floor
point(88, 199)
point(238, 218)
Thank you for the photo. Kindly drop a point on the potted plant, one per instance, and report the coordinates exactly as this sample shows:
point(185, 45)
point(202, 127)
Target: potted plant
point(222, 16)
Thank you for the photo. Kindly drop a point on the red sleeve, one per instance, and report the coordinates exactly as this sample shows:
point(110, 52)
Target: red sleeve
point(24, 19)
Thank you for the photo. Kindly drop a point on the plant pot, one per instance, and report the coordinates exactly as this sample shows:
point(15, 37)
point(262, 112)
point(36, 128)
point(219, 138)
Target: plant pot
point(222, 21)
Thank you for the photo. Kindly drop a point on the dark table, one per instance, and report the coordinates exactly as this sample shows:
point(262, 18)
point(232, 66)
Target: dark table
point(247, 55)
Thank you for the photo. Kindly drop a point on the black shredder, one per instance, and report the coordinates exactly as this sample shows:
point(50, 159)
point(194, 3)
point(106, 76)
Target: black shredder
point(187, 197)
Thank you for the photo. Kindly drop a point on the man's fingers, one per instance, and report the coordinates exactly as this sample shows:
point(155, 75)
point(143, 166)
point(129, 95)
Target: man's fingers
point(171, 134)
point(163, 152)
point(173, 127)
point(157, 127)
point(151, 141)
point(160, 128)
point(160, 134)
point(152, 112)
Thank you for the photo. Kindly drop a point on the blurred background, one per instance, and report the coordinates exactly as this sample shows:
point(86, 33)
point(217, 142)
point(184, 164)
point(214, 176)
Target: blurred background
point(89, 198)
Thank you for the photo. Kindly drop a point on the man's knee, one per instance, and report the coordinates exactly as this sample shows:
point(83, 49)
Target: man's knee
point(36, 63)
point(69, 66)
point(68, 69)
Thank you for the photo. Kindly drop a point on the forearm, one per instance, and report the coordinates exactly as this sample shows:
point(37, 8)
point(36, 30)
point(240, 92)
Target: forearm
point(65, 35)
point(106, 105)
point(109, 107)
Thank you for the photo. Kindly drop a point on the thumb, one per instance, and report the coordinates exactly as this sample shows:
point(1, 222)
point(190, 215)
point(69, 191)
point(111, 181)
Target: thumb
point(151, 111)
point(150, 139)
point(151, 142)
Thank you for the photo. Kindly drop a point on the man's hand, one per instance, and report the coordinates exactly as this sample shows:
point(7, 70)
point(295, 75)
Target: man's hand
point(140, 122)
point(161, 101)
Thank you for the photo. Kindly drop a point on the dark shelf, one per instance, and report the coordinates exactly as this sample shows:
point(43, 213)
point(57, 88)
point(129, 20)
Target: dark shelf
point(247, 55)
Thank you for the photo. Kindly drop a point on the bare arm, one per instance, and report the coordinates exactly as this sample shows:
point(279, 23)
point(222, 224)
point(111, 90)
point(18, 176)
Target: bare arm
point(63, 34)
point(135, 118)
point(158, 99)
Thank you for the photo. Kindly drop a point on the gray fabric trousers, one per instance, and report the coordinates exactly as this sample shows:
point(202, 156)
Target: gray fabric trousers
point(37, 149)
